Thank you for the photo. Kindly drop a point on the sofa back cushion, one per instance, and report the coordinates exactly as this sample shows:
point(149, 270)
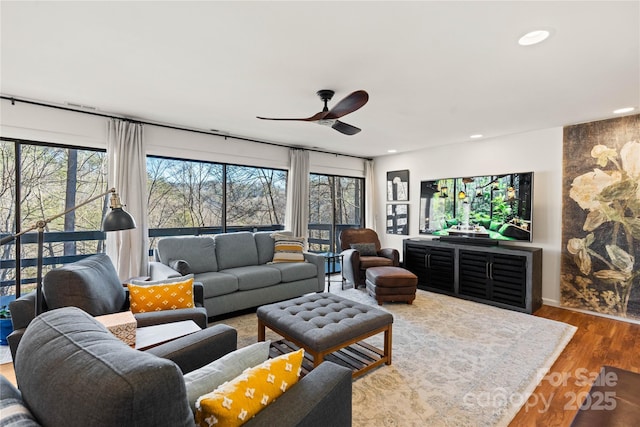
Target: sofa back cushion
point(236, 250)
point(73, 372)
point(264, 243)
point(198, 252)
point(91, 284)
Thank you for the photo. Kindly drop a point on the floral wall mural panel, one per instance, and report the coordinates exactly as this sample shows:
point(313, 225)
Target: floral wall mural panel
point(601, 217)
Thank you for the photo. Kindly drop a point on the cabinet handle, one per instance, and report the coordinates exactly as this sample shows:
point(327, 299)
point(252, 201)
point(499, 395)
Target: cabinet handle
point(427, 260)
point(486, 270)
point(491, 270)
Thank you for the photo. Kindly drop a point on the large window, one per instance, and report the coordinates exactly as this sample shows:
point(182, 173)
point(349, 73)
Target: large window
point(40, 181)
point(195, 197)
point(335, 203)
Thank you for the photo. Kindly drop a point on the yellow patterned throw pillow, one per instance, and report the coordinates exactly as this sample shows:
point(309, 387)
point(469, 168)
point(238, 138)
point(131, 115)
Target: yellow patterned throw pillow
point(166, 296)
point(237, 401)
point(288, 248)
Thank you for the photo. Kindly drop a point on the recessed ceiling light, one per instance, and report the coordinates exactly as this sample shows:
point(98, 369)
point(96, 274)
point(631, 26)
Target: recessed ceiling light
point(533, 37)
point(623, 110)
point(476, 136)
point(392, 151)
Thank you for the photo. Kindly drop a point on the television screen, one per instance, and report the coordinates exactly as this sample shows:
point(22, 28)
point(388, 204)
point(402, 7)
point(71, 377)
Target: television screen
point(497, 207)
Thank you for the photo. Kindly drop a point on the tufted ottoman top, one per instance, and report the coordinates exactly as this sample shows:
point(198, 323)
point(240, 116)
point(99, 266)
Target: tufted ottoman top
point(322, 321)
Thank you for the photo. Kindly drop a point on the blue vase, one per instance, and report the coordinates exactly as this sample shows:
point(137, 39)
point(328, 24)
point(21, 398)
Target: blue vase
point(6, 327)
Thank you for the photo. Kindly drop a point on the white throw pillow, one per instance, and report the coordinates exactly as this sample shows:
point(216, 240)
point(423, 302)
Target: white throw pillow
point(211, 376)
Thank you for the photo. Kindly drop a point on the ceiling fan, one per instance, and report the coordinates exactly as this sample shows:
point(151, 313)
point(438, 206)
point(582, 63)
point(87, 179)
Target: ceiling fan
point(327, 117)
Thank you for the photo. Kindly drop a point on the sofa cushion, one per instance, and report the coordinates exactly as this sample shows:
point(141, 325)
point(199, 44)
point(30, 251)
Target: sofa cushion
point(216, 283)
point(121, 386)
point(239, 400)
point(294, 271)
point(254, 276)
point(206, 379)
point(236, 250)
point(198, 252)
point(264, 243)
point(91, 284)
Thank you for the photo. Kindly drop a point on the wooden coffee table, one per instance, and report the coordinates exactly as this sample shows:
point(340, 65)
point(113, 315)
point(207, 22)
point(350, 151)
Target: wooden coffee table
point(151, 336)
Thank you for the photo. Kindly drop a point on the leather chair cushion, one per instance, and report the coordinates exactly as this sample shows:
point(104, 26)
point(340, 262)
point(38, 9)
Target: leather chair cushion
point(367, 262)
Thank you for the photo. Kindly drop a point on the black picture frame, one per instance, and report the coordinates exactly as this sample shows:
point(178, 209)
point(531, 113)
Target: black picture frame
point(398, 186)
point(398, 219)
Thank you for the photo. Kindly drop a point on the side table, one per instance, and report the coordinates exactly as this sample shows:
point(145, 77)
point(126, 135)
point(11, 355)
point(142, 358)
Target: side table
point(333, 260)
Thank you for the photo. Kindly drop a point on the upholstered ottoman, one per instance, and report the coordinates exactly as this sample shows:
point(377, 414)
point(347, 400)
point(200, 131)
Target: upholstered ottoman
point(325, 323)
point(391, 284)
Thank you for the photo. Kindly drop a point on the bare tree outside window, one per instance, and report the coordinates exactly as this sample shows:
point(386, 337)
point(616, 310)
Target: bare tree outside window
point(53, 179)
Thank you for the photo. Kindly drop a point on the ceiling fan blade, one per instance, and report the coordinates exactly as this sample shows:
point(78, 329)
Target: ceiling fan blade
point(345, 128)
point(348, 105)
point(315, 117)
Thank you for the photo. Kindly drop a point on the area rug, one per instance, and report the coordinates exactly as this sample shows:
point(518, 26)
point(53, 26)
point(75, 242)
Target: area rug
point(455, 362)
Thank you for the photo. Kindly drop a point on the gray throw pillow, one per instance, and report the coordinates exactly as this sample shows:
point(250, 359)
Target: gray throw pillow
point(211, 376)
point(365, 249)
point(181, 266)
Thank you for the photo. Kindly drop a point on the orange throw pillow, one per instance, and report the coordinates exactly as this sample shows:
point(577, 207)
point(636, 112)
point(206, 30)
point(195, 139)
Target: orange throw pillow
point(167, 296)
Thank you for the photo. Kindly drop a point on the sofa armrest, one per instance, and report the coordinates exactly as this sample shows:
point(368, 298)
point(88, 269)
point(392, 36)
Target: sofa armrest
point(318, 260)
point(195, 350)
point(351, 266)
point(321, 398)
point(23, 310)
point(392, 254)
point(159, 271)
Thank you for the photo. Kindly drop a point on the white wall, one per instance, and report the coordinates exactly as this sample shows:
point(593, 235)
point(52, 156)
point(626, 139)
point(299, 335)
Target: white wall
point(45, 124)
point(539, 152)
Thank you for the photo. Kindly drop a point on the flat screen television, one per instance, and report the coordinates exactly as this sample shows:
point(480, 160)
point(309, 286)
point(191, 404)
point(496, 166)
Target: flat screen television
point(491, 207)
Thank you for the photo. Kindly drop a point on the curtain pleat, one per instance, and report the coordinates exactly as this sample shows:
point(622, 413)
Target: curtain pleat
point(127, 163)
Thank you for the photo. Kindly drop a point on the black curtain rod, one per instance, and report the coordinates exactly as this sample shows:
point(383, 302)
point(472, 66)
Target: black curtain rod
point(167, 126)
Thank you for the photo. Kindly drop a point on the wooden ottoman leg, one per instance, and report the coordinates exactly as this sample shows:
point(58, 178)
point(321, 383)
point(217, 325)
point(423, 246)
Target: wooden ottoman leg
point(387, 344)
point(261, 330)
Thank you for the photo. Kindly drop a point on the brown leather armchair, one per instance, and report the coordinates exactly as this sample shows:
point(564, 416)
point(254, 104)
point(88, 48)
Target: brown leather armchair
point(361, 250)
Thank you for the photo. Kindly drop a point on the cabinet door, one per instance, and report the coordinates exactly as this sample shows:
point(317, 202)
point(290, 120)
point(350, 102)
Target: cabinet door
point(509, 279)
point(440, 268)
point(474, 274)
point(495, 277)
point(434, 266)
point(415, 262)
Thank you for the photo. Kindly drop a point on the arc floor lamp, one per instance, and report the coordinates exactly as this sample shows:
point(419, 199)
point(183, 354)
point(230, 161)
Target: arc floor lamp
point(116, 219)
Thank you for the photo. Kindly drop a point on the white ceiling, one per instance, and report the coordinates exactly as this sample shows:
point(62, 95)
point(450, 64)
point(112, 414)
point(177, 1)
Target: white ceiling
point(436, 72)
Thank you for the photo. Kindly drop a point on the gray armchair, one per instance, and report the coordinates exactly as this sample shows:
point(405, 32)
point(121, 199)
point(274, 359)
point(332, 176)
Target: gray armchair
point(72, 372)
point(361, 249)
point(92, 284)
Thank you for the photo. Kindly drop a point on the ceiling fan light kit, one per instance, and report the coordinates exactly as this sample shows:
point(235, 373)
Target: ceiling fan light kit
point(329, 117)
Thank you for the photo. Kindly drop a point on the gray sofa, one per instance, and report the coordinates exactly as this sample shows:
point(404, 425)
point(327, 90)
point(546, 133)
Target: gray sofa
point(234, 269)
point(72, 372)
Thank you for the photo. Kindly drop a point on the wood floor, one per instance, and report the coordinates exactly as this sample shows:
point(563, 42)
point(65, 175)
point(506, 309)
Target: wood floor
point(598, 341)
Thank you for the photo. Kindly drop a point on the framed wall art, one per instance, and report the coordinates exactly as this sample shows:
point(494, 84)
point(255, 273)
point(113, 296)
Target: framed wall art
point(398, 186)
point(398, 219)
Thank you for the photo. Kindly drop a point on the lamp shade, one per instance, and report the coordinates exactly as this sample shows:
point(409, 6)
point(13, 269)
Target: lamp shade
point(118, 219)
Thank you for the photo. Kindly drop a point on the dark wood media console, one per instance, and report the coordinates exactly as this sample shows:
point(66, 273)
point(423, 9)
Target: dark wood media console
point(504, 276)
